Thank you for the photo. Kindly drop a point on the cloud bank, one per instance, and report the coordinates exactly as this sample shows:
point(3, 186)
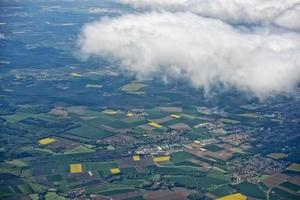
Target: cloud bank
point(204, 51)
point(282, 13)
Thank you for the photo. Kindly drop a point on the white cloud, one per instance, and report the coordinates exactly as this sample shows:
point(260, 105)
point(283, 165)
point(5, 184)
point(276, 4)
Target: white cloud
point(289, 19)
point(283, 13)
point(156, 4)
point(203, 51)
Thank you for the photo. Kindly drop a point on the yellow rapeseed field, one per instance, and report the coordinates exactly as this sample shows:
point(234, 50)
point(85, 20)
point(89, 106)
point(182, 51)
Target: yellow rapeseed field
point(136, 158)
point(115, 170)
point(46, 141)
point(154, 124)
point(76, 168)
point(161, 158)
point(236, 196)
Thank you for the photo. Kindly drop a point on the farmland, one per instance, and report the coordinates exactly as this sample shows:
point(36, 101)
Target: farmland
point(294, 167)
point(237, 196)
point(75, 168)
point(76, 127)
point(277, 155)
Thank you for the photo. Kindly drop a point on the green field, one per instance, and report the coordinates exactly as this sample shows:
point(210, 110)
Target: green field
point(198, 134)
point(54, 178)
point(107, 187)
point(192, 182)
point(114, 121)
point(181, 156)
point(213, 148)
point(17, 162)
point(285, 195)
point(291, 186)
point(9, 168)
point(50, 168)
point(219, 175)
point(48, 196)
point(87, 131)
point(155, 113)
point(206, 160)
point(187, 163)
point(222, 190)
point(249, 189)
point(134, 183)
point(6, 191)
point(19, 189)
point(165, 170)
point(79, 149)
point(100, 166)
point(117, 191)
point(53, 196)
point(135, 198)
point(18, 116)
